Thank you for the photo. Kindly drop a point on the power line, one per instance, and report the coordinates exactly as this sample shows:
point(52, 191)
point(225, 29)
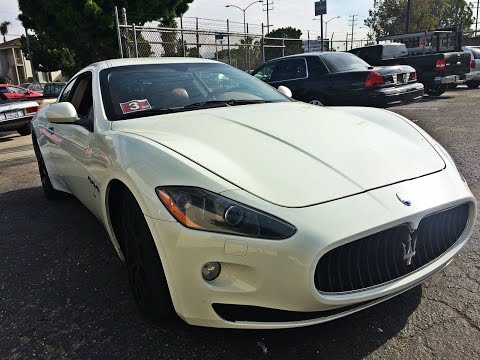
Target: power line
point(267, 7)
point(352, 22)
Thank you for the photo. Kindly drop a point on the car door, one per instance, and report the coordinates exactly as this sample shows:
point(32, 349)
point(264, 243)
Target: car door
point(75, 145)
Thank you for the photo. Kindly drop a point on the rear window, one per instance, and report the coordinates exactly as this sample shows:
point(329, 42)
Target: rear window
point(53, 89)
point(394, 51)
point(339, 62)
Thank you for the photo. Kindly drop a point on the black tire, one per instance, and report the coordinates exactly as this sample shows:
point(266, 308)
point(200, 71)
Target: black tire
point(25, 130)
point(473, 84)
point(145, 271)
point(50, 192)
point(435, 90)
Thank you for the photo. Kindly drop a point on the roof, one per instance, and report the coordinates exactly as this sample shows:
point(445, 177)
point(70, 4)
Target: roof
point(11, 44)
point(152, 60)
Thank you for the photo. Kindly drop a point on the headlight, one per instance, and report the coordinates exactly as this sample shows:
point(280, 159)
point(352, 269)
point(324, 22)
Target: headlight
point(203, 210)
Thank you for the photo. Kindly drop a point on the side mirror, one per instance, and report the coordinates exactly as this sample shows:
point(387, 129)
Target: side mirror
point(285, 91)
point(62, 113)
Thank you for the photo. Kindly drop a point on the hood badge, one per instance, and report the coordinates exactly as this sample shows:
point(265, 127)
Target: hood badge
point(404, 200)
point(409, 248)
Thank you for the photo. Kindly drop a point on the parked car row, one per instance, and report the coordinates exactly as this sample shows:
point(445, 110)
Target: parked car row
point(234, 206)
point(434, 71)
point(377, 75)
point(18, 105)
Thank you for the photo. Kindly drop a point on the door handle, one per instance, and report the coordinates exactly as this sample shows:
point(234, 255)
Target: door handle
point(51, 129)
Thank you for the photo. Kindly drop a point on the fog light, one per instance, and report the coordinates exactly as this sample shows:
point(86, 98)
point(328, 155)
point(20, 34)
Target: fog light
point(211, 270)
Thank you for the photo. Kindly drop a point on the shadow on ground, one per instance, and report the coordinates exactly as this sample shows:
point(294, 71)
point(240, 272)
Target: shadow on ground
point(65, 295)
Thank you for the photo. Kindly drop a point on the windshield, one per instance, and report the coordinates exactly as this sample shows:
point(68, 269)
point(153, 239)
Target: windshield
point(338, 62)
point(152, 89)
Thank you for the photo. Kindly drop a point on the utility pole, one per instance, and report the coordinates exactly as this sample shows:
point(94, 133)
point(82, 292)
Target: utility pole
point(354, 22)
point(476, 20)
point(409, 14)
point(267, 7)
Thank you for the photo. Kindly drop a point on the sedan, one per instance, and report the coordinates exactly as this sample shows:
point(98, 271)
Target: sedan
point(337, 78)
point(16, 92)
point(234, 206)
point(16, 115)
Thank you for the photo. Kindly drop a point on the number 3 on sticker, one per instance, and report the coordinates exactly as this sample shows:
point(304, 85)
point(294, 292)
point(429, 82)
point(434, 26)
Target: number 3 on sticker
point(135, 105)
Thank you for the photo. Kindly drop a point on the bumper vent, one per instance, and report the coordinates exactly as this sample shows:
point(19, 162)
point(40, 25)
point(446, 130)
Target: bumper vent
point(390, 254)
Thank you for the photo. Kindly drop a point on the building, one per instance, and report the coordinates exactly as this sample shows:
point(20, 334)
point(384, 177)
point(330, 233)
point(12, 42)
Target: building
point(17, 69)
point(12, 61)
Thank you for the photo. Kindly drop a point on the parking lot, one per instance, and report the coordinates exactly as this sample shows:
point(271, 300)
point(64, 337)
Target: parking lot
point(64, 293)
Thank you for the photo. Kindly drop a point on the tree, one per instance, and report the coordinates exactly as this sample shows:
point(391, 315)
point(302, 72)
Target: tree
point(388, 17)
point(87, 28)
point(292, 46)
point(48, 56)
point(4, 29)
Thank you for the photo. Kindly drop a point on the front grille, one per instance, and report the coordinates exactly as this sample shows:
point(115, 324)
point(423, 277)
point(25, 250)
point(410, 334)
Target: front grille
point(388, 255)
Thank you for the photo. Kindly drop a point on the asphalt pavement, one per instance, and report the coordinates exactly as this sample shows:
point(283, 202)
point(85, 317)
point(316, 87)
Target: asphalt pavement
point(64, 293)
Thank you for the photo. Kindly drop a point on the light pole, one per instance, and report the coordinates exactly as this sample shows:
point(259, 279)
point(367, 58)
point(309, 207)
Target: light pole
point(245, 25)
point(326, 26)
point(244, 10)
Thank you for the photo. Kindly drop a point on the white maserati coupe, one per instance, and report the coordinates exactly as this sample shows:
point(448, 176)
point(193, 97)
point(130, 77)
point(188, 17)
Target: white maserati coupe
point(234, 206)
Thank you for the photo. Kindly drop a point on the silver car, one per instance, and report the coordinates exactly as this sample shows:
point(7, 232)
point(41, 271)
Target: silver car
point(474, 66)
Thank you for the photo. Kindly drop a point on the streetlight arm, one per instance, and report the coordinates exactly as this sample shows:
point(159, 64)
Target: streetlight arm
point(235, 6)
point(258, 1)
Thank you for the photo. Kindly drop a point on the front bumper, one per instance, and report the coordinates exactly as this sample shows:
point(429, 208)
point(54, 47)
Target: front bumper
point(392, 96)
point(14, 124)
point(280, 274)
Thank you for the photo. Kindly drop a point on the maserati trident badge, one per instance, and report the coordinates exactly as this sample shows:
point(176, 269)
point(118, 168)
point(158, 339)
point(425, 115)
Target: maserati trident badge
point(409, 248)
point(403, 200)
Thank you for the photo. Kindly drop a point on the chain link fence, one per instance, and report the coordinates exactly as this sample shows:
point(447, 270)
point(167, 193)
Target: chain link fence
point(241, 45)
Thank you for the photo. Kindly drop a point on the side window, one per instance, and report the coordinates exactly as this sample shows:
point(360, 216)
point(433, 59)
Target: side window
point(82, 98)
point(265, 73)
point(66, 93)
point(316, 67)
point(289, 69)
point(3, 90)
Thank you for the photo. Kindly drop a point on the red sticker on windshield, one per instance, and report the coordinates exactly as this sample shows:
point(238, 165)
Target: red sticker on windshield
point(135, 105)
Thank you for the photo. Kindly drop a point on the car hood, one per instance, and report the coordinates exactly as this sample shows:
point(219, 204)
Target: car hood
point(294, 154)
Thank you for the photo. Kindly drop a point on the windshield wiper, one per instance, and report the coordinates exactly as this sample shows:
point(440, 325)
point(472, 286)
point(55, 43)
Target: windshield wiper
point(149, 112)
point(219, 103)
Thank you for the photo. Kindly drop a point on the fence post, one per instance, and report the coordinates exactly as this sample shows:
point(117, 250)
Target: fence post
point(184, 52)
point(308, 40)
point(263, 45)
point(198, 39)
point(247, 49)
point(228, 43)
point(135, 44)
point(283, 47)
point(119, 35)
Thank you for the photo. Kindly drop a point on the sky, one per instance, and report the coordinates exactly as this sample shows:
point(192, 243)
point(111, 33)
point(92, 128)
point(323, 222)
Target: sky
point(296, 13)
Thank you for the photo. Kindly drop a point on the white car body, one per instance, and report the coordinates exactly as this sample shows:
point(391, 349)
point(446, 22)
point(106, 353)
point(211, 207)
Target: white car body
point(336, 174)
